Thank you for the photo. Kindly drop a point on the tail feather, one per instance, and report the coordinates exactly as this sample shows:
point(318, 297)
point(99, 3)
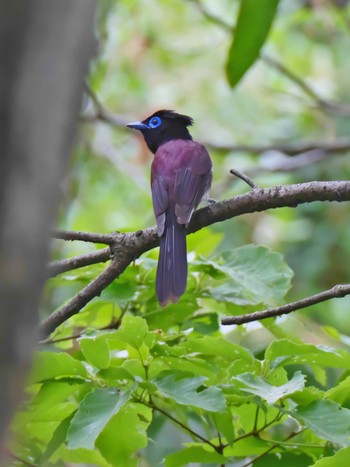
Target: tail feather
point(171, 277)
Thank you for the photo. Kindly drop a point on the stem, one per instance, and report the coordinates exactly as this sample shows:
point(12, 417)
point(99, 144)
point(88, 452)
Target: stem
point(183, 426)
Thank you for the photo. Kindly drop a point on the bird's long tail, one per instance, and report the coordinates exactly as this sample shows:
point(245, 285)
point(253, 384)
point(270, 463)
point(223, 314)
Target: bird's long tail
point(171, 278)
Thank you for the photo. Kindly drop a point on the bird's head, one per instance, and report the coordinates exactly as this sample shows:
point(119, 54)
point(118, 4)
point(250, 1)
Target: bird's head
point(163, 126)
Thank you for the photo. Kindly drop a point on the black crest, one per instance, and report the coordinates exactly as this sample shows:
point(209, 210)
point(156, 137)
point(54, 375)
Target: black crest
point(172, 115)
point(163, 126)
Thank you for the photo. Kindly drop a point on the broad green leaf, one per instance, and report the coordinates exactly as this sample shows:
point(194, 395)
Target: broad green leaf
point(115, 376)
point(204, 242)
point(250, 446)
point(184, 389)
point(307, 395)
point(284, 459)
point(125, 434)
point(204, 323)
point(253, 24)
point(340, 459)
point(194, 454)
point(217, 346)
point(96, 351)
point(49, 365)
point(79, 457)
point(93, 414)
point(52, 403)
point(224, 423)
point(257, 276)
point(339, 393)
point(286, 352)
point(57, 439)
point(132, 331)
point(327, 420)
point(260, 387)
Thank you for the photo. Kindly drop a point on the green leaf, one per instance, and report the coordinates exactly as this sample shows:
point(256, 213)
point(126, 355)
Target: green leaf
point(132, 331)
point(93, 414)
point(125, 434)
point(96, 351)
point(183, 387)
point(284, 459)
point(340, 459)
point(224, 424)
point(340, 393)
point(253, 24)
point(286, 352)
point(199, 454)
point(49, 365)
point(245, 447)
point(79, 457)
point(218, 346)
point(257, 275)
point(327, 420)
point(57, 440)
point(260, 387)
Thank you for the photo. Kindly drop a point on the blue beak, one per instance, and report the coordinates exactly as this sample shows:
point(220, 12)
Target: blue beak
point(137, 126)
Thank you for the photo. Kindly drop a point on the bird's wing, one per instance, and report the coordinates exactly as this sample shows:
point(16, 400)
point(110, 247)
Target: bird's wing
point(160, 200)
point(192, 183)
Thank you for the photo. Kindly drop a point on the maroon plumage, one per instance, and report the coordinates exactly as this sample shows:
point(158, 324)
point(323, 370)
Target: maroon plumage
point(180, 179)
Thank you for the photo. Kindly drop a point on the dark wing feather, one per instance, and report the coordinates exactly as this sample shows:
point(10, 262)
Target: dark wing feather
point(192, 184)
point(190, 190)
point(160, 200)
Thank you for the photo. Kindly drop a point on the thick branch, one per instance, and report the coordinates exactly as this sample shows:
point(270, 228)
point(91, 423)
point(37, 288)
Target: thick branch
point(270, 198)
point(127, 247)
point(337, 291)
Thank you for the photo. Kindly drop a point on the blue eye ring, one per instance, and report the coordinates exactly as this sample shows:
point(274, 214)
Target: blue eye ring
point(155, 122)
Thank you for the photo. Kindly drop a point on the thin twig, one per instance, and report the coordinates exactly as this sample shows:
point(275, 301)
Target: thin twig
point(113, 325)
point(107, 239)
point(295, 149)
point(324, 104)
point(245, 178)
point(213, 18)
point(19, 459)
point(183, 426)
point(101, 113)
point(274, 446)
point(338, 291)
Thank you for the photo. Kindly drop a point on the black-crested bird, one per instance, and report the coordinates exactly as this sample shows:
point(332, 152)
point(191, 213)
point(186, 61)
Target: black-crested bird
point(181, 176)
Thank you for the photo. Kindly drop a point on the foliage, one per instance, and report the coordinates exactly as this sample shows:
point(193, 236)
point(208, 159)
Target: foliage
point(125, 382)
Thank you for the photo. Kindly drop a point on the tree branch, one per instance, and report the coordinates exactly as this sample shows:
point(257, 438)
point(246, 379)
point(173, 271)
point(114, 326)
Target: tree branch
point(129, 246)
point(58, 267)
point(101, 113)
point(107, 239)
point(338, 146)
point(338, 291)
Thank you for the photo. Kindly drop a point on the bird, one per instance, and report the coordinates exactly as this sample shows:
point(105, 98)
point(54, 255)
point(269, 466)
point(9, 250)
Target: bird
point(181, 175)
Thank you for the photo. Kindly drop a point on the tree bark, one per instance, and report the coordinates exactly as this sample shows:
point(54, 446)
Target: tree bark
point(45, 46)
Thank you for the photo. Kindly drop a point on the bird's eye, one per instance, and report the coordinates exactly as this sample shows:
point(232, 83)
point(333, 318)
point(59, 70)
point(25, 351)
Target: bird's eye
point(154, 122)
